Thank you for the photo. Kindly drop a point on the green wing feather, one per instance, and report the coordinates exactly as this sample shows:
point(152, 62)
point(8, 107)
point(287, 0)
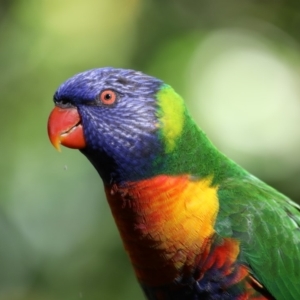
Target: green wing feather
point(268, 225)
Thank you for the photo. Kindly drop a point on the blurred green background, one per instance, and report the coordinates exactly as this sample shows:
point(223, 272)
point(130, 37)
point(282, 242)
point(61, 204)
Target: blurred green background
point(235, 62)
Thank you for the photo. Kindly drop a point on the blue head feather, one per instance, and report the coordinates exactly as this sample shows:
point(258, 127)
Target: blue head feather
point(122, 139)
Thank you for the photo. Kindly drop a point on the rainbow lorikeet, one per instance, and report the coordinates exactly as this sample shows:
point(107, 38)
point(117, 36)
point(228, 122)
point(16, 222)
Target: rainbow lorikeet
point(195, 224)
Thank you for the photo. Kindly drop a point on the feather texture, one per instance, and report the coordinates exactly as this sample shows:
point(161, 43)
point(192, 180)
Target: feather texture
point(195, 224)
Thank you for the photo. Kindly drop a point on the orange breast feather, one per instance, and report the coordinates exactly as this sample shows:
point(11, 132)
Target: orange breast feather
point(165, 223)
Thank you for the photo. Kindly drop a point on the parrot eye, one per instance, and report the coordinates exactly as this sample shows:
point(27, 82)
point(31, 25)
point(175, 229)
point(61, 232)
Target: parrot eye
point(108, 97)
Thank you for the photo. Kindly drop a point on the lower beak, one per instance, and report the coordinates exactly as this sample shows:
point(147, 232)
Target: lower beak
point(64, 127)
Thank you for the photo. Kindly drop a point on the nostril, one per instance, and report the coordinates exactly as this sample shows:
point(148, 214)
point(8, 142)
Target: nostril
point(63, 103)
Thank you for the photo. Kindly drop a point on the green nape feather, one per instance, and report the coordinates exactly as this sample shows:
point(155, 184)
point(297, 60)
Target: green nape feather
point(184, 142)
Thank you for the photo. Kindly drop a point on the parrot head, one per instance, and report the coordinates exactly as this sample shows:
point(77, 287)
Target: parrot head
point(123, 121)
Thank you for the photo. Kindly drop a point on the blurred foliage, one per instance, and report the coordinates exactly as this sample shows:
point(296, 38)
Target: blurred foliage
point(235, 62)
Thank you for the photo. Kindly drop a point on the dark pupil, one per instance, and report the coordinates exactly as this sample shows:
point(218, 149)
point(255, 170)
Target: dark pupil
point(107, 96)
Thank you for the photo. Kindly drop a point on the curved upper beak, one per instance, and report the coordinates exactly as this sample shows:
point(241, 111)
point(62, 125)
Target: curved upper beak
point(65, 128)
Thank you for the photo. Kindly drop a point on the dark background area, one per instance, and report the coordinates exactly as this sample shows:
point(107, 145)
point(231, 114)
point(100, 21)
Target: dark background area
point(235, 62)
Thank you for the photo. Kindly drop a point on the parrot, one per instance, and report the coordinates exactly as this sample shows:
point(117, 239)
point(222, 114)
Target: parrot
point(194, 224)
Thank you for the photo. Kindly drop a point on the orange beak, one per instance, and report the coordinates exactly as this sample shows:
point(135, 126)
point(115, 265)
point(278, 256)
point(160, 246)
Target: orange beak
point(64, 127)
